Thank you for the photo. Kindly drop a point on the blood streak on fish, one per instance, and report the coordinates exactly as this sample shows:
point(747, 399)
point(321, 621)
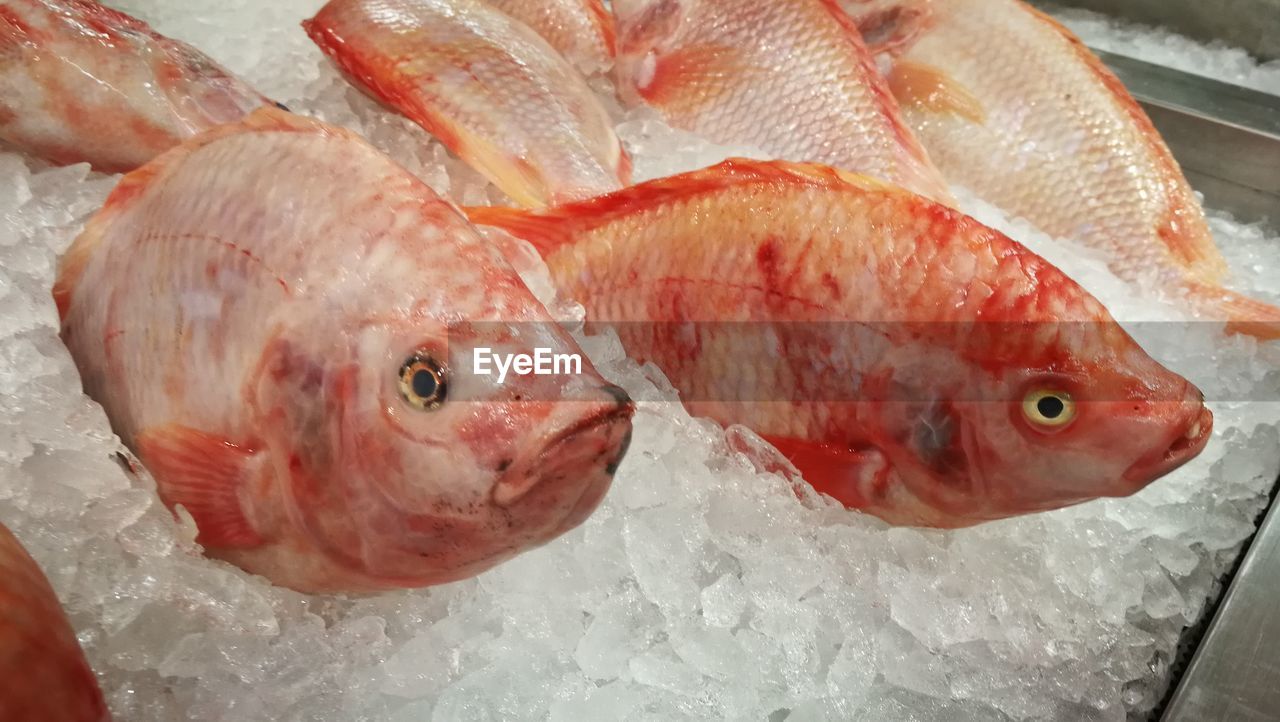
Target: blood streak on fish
point(80, 82)
point(907, 359)
point(790, 77)
point(299, 316)
point(487, 86)
point(43, 672)
point(1037, 125)
point(581, 30)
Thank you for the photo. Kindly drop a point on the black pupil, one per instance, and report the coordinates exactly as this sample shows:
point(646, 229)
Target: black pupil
point(424, 384)
point(1050, 407)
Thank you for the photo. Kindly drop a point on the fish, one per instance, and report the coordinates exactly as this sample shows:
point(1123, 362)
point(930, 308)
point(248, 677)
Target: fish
point(789, 77)
point(487, 86)
point(284, 326)
point(1036, 124)
point(82, 83)
point(43, 672)
point(907, 360)
point(580, 30)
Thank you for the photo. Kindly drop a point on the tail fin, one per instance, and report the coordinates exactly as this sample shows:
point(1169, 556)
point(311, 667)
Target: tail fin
point(1244, 315)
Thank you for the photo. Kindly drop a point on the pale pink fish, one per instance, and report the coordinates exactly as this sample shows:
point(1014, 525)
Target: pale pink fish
point(82, 82)
point(283, 324)
point(1013, 106)
point(43, 673)
point(491, 89)
point(790, 77)
point(582, 30)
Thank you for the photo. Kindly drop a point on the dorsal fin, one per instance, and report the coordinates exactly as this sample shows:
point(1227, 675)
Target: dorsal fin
point(551, 228)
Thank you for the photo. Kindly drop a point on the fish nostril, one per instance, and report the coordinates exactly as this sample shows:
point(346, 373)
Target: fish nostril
point(618, 393)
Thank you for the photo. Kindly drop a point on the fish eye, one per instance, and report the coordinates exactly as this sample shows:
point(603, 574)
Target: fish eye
point(422, 382)
point(1049, 408)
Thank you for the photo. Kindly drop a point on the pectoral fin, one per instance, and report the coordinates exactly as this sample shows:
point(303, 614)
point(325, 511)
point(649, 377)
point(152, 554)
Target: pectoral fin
point(853, 477)
point(925, 87)
point(206, 475)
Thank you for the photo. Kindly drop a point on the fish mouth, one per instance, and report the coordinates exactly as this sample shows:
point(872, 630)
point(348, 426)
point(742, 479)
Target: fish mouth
point(1188, 444)
point(587, 452)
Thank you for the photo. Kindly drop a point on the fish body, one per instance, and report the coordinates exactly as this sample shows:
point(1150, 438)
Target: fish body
point(1036, 124)
point(80, 82)
point(487, 86)
point(43, 672)
point(908, 360)
point(282, 324)
point(790, 77)
point(581, 30)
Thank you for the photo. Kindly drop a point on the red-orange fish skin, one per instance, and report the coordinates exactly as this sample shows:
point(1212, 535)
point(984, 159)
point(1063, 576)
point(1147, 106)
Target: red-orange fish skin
point(260, 312)
point(43, 672)
point(1036, 124)
point(790, 77)
point(884, 342)
point(487, 86)
point(582, 30)
point(80, 82)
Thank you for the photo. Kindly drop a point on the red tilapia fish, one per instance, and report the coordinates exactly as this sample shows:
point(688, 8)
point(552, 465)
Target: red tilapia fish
point(1037, 125)
point(790, 77)
point(491, 89)
point(907, 359)
point(582, 30)
point(43, 673)
point(82, 82)
point(283, 324)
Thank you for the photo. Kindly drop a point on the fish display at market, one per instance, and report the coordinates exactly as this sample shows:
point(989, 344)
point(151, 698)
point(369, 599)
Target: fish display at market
point(908, 360)
point(581, 30)
point(1037, 125)
point(285, 326)
point(81, 82)
point(791, 77)
point(487, 86)
point(43, 672)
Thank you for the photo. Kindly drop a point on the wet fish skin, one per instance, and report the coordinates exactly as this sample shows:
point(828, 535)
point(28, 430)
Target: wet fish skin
point(253, 310)
point(43, 672)
point(886, 344)
point(80, 82)
point(581, 30)
point(1037, 125)
point(790, 77)
point(487, 86)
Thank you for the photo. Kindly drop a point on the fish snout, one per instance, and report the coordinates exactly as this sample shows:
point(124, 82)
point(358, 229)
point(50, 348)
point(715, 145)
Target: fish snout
point(586, 451)
point(1188, 438)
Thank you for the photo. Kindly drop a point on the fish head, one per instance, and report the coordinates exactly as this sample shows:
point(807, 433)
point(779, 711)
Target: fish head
point(1100, 419)
point(411, 463)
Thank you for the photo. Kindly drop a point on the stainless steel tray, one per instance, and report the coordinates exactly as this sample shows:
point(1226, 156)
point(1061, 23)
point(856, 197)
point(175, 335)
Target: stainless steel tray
point(1227, 140)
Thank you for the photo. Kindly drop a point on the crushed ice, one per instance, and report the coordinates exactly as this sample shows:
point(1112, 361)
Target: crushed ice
point(701, 588)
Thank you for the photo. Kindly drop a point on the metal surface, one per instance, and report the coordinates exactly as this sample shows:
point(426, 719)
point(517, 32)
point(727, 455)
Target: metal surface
point(1234, 673)
point(1250, 24)
point(1226, 138)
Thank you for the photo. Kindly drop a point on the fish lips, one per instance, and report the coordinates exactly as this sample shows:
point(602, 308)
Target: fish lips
point(1188, 441)
point(588, 452)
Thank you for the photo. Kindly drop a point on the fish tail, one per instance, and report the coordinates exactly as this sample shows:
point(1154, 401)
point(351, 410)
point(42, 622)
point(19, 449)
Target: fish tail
point(1244, 315)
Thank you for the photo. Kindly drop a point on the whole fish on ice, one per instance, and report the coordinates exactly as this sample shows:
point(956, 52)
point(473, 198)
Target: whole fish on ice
point(281, 322)
point(491, 89)
point(581, 30)
point(907, 359)
point(43, 673)
point(790, 77)
point(82, 82)
point(1013, 106)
